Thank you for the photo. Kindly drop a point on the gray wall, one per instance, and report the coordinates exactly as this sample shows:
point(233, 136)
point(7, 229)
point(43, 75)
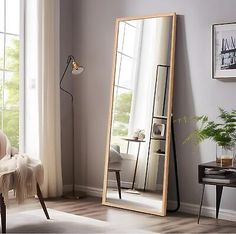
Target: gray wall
point(195, 92)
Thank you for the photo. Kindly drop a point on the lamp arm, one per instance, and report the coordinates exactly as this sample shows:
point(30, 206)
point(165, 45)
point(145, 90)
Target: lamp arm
point(63, 75)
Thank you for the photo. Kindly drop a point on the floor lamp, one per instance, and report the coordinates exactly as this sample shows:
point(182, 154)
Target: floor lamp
point(76, 69)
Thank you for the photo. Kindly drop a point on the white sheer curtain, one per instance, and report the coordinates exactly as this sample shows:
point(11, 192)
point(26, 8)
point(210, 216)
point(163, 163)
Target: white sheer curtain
point(144, 101)
point(42, 96)
point(156, 34)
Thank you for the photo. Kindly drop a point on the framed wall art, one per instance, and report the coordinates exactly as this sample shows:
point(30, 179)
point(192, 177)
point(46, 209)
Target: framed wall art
point(224, 51)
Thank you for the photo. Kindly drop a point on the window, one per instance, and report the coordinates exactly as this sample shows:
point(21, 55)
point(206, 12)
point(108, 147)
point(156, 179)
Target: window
point(9, 68)
point(125, 78)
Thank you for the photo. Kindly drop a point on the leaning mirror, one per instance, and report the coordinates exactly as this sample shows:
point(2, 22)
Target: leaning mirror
point(138, 149)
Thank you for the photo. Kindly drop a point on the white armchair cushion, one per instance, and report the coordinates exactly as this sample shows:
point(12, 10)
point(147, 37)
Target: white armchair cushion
point(114, 156)
point(18, 171)
point(5, 146)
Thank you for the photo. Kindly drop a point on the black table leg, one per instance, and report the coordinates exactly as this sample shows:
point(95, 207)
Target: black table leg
point(118, 183)
point(136, 165)
point(219, 189)
point(200, 208)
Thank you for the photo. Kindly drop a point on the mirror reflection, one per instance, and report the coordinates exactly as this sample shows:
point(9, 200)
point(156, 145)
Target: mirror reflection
point(139, 114)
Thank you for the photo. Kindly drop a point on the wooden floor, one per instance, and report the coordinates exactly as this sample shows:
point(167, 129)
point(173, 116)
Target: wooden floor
point(173, 223)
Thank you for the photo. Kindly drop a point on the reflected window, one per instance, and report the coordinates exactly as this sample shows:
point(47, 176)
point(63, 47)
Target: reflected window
point(126, 76)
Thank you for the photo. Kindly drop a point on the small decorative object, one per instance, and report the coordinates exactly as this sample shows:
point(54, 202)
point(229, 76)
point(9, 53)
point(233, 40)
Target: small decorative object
point(223, 133)
point(139, 134)
point(158, 130)
point(224, 50)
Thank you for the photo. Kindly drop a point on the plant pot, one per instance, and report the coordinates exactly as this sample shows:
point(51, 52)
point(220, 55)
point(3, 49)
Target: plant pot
point(225, 155)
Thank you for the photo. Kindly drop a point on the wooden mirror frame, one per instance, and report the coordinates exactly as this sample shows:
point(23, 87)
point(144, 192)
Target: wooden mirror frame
point(168, 123)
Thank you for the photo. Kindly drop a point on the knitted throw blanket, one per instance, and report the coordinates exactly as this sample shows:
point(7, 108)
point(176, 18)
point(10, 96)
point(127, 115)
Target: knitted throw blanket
point(20, 173)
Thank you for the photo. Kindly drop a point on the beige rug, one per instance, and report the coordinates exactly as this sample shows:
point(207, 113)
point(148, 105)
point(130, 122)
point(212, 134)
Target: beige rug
point(34, 221)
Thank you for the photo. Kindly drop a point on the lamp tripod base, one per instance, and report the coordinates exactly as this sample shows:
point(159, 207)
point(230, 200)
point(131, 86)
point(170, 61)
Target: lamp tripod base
point(77, 195)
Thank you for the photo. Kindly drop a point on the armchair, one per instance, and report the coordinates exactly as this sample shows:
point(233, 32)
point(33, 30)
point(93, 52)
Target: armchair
point(115, 164)
point(7, 178)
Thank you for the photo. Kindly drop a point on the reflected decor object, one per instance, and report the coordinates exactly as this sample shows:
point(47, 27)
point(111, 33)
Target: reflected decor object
point(142, 85)
point(139, 134)
point(224, 51)
point(158, 130)
point(76, 70)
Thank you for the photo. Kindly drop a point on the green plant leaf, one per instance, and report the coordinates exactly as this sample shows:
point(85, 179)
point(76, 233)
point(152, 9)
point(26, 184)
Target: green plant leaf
point(222, 132)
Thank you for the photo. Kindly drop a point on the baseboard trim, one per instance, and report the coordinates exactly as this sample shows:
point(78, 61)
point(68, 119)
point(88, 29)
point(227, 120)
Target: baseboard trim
point(184, 207)
point(91, 191)
point(124, 184)
point(206, 211)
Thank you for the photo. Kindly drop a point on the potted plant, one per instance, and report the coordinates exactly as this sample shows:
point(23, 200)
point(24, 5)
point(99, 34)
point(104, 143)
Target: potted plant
point(222, 132)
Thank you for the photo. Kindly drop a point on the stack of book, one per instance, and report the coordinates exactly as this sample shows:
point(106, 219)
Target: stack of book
point(224, 176)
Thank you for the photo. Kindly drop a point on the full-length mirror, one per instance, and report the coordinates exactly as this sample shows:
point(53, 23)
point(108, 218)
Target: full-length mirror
point(137, 160)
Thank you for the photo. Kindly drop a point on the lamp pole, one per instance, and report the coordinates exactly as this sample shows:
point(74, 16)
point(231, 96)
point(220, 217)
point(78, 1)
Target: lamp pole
point(76, 70)
point(69, 59)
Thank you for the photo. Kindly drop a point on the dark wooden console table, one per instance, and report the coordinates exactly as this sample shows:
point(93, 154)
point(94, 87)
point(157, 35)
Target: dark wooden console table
point(219, 186)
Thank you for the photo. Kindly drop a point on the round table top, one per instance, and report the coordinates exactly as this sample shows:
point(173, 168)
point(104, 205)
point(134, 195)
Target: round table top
point(132, 139)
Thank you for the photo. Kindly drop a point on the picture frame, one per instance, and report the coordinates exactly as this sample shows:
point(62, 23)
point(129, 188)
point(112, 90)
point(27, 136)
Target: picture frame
point(224, 51)
point(158, 130)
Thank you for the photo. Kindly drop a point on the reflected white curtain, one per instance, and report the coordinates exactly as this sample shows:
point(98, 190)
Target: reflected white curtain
point(144, 97)
point(163, 35)
point(42, 84)
point(156, 36)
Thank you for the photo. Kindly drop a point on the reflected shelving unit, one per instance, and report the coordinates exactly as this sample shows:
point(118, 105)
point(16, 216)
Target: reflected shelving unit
point(160, 121)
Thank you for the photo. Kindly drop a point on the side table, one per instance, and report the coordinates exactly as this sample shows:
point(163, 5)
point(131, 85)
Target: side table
point(219, 186)
point(127, 151)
